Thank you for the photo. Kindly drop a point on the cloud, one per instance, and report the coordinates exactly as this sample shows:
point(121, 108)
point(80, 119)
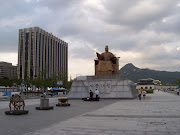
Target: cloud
point(16, 21)
point(137, 14)
point(178, 48)
point(170, 25)
point(145, 33)
point(80, 67)
point(81, 49)
point(9, 57)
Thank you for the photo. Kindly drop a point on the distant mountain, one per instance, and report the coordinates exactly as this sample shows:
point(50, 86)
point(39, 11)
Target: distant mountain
point(133, 73)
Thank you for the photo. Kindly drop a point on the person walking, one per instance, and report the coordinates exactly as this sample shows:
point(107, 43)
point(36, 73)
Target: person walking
point(178, 90)
point(139, 94)
point(97, 94)
point(144, 94)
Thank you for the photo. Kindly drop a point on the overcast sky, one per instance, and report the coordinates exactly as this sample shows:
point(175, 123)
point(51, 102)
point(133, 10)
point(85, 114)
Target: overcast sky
point(143, 32)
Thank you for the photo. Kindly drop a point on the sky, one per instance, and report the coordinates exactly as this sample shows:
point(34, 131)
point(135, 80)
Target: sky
point(145, 33)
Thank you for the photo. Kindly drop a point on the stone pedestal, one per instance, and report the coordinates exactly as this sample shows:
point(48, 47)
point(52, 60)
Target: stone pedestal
point(108, 86)
point(16, 112)
point(90, 99)
point(44, 105)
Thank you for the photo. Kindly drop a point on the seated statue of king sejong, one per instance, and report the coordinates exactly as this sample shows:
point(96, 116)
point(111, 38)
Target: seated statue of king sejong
point(107, 63)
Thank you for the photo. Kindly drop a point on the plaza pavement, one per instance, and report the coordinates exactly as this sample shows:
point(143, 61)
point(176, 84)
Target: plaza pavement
point(158, 114)
point(40, 119)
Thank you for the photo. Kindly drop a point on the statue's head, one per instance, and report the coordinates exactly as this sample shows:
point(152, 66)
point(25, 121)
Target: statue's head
point(106, 48)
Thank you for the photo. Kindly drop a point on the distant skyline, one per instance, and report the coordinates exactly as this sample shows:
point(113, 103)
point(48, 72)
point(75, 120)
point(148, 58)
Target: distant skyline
point(145, 33)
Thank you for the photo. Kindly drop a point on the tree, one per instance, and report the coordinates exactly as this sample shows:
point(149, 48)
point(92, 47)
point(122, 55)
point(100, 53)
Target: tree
point(178, 81)
point(17, 81)
point(41, 81)
point(64, 77)
point(6, 82)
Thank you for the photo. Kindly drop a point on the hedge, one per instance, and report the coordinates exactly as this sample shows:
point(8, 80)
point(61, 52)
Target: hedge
point(148, 91)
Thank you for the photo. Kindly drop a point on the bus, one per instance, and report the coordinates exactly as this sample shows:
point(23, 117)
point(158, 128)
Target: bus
point(59, 91)
point(6, 92)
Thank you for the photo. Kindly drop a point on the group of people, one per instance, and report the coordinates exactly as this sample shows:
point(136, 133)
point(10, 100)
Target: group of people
point(92, 94)
point(140, 92)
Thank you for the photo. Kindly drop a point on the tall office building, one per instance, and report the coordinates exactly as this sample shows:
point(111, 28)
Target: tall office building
point(40, 51)
point(7, 70)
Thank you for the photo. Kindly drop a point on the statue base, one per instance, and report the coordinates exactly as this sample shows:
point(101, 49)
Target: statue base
point(45, 108)
point(90, 99)
point(44, 105)
point(16, 112)
point(62, 104)
point(109, 86)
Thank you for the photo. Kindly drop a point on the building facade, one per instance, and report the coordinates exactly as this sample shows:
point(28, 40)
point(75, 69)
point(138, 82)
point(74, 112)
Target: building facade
point(41, 52)
point(148, 84)
point(7, 70)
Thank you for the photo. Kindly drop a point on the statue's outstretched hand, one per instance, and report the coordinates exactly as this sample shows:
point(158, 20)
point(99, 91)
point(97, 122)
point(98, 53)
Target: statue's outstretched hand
point(98, 55)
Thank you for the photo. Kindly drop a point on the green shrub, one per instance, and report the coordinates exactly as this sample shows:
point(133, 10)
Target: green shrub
point(148, 91)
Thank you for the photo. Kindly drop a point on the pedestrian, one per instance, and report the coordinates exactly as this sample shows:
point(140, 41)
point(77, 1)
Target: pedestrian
point(139, 94)
point(91, 95)
point(144, 94)
point(97, 94)
point(178, 91)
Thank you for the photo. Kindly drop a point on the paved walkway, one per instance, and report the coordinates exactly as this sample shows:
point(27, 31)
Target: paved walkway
point(158, 114)
point(40, 119)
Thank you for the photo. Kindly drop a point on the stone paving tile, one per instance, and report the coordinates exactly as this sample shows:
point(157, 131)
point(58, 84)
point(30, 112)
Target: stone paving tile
point(158, 114)
point(157, 133)
point(173, 133)
point(42, 119)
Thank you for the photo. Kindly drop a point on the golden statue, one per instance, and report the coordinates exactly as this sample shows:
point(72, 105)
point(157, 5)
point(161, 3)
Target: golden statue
point(106, 63)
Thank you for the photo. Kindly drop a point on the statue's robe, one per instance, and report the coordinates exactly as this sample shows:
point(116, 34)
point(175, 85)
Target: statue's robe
point(105, 63)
